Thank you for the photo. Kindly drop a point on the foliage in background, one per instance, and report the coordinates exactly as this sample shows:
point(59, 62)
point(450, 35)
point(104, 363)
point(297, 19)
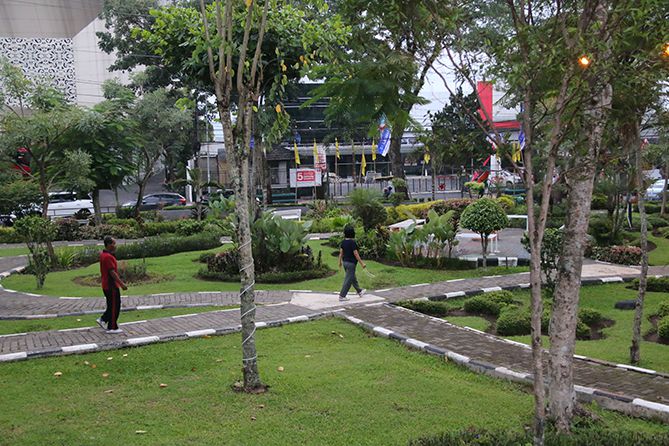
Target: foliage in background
point(367, 207)
point(36, 232)
point(550, 253)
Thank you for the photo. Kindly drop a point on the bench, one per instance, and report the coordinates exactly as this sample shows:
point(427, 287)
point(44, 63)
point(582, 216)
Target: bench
point(283, 198)
point(289, 214)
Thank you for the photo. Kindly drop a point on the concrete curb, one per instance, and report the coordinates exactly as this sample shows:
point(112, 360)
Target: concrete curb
point(622, 403)
point(116, 341)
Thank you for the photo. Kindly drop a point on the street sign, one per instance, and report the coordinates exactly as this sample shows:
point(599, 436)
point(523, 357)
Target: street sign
point(305, 178)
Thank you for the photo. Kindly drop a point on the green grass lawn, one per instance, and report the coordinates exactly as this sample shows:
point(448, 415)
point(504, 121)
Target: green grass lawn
point(659, 255)
point(615, 345)
point(88, 320)
point(183, 267)
point(348, 390)
point(475, 322)
point(9, 252)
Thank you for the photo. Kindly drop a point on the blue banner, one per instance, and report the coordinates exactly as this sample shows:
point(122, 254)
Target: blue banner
point(384, 142)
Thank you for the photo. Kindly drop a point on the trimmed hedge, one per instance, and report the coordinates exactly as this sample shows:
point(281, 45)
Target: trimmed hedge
point(432, 308)
point(278, 277)
point(663, 328)
point(153, 247)
point(9, 235)
point(663, 309)
point(655, 284)
point(514, 321)
point(623, 255)
point(590, 316)
point(580, 436)
point(488, 303)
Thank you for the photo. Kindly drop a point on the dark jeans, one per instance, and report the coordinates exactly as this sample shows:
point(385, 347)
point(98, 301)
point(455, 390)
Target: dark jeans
point(110, 316)
point(349, 279)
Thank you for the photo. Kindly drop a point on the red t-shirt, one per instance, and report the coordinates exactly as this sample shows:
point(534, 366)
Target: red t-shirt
point(107, 264)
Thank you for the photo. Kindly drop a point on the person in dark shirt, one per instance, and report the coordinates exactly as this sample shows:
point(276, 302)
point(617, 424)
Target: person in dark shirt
point(349, 258)
point(111, 282)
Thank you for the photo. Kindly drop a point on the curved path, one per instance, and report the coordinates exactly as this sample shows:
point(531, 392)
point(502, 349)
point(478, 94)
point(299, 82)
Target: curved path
point(620, 387)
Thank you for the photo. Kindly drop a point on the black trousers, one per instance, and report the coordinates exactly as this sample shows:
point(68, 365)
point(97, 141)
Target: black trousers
point(110, 316)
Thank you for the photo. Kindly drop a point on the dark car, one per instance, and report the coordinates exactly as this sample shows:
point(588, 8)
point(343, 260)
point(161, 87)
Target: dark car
point(159, 201)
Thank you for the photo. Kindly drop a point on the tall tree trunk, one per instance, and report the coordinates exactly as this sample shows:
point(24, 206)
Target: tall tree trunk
point(396, 163)
point(484, 248)
point(635, 354)
point(663, 207)
point(580, 182)
point(266, 180)
point(434, 182)
point(140, 195)
point(239, 160)
point(96, 207)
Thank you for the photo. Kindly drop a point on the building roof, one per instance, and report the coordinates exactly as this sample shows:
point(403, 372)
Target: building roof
point(46, 18)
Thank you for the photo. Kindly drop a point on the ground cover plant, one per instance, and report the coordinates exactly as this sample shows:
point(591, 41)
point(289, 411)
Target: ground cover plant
point(330, 384)
point(184, 268)
point(88, 320)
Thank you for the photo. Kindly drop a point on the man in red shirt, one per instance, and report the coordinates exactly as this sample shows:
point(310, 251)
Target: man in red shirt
point(111, 282)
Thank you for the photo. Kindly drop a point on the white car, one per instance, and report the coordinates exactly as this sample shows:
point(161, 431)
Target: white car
point(505, 177)
point(654, 192)
point(67, 204)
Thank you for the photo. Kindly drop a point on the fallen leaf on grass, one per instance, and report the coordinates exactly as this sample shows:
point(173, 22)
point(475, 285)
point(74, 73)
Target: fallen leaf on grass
point(105, 375)
point(78, 320)
point(280, 369)
point(219, 360)
point(140, 432)
point(206, 336)
point(261, 406)
point(110, 358)
point(162, 385)
point(253, 418)
point(125, 355)
point(193, 369)
point(338, 334)
point(57, 374)
point(307, 356)
point(93, 366)
point(109, 391)
point(86, 363)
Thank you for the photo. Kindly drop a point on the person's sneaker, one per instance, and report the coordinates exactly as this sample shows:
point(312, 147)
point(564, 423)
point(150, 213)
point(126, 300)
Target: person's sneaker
point(116, 330)
point(343, 299)
point(362, 292)
point(101, 323)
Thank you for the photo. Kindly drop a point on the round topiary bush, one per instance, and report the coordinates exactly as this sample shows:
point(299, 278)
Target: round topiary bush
point(484, 216)
point(514, 321)
point(590, 316)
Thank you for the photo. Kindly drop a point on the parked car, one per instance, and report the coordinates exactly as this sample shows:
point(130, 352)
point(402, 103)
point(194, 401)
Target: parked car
point(505, 177)
point(69, 204)
point(158, 201)
point(654, 192)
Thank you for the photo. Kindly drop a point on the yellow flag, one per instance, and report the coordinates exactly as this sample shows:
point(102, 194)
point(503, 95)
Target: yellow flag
point(373, 150)
point(315, 153)
point(297, 154)
point(426, 155)
point(517, 153)
point(337, 148)
point(363, 164)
